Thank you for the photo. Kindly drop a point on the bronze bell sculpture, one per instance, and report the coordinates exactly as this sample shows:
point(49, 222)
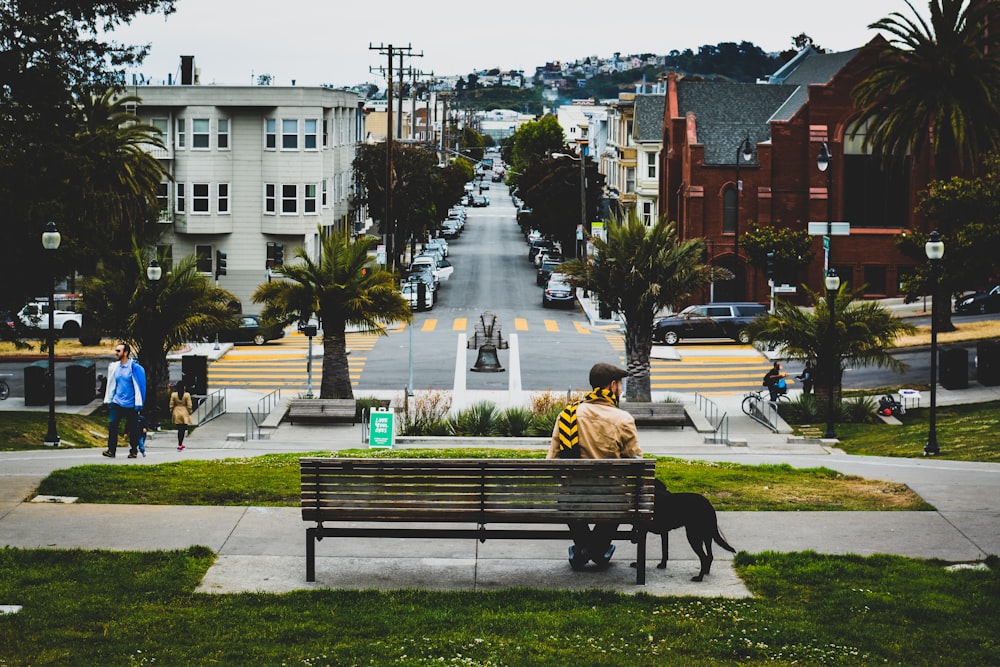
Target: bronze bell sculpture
point(487, 361)
point(488, 338)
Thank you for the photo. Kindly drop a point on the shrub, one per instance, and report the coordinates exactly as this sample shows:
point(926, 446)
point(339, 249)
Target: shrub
point(803, 410)
point(543, 423)
point(858, 410)
point(476, 420)
point(425, 413)
point(514, 422)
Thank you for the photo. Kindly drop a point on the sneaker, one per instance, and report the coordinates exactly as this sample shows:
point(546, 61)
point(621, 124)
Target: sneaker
point(108, 454)
point(132, 455)
point(143, 452)
point(604, 558)
point(577, 558)
point(180, 448)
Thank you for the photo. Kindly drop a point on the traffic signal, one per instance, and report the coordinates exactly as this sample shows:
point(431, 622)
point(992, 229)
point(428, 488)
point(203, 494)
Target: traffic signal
point(220, 264)
point(279, 254)
point(769, 264)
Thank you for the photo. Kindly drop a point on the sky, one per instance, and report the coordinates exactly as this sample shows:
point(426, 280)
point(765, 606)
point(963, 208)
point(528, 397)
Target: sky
point(317, 42)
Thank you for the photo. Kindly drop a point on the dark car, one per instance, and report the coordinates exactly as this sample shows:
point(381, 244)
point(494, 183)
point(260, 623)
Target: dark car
point(981, 302)
point(251, 330)
point(713, 320)
point(545, 270)
point(558, 293)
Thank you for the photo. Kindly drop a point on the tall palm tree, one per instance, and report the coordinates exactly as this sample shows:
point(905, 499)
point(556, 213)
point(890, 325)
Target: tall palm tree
point(935, 90)
point(639, 271)
point(343, 288)
point(862, 335)
point(155, 317)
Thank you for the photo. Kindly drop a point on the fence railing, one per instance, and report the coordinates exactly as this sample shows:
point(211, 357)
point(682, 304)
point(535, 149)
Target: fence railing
point(210, 406)
point(254, 419)
point(763, 411)
point(709, 408)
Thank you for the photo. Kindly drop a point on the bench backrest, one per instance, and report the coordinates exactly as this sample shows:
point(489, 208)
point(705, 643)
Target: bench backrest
point(481, 490)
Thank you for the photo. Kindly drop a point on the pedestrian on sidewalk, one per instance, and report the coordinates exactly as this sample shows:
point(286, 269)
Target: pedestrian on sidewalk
point(595, 428)
point(124, 397)
point(180, 412)
point(806, 376)
point(775, 381)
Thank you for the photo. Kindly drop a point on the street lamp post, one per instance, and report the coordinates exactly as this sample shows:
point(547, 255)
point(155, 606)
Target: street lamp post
point(583, 196)
point(744, 150)
point(153, 273)
point(934, 249)
point(832, 285)
point(50, 241)
point(823, 161)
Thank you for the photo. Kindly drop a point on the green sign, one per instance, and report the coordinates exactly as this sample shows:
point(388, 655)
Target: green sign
point(826, 243)
point(380, 429)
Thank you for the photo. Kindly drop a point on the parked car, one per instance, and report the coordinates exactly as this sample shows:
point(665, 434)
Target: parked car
point(537, 246)
point(450, 229)
point(558, 293)
point(439, 243)
point(545, 272)
point(252, 330)
point(713, 320)
point(440, 267)
point(980, 302)
point(36, 314)
point(411, 292)
point(480, 201)
point(553, 255)
point(426, 278)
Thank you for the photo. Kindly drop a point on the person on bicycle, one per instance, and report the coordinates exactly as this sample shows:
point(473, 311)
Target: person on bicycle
point(775, 381)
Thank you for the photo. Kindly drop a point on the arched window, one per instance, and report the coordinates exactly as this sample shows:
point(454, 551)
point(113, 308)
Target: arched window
point(730, 210)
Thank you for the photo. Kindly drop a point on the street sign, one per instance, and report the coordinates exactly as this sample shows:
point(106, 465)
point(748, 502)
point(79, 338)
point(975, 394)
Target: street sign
point(784, 289)
point(826, 243)
point(836, 228)
point(380, 428)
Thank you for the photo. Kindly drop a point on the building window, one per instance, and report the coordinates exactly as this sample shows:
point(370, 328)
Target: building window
point(222, 137)
point(204, 255)
point(165, 254)
point(163, 197)
point(647, 213)
point(323, 201)
point(326, 133)
point(200, 128)
point(271, 260)
point(180, 204)
point(309, 134)
point(199, 198)
point(630, 179)
point(270, 133)
point(650, 165)
point(875, 280)
point(163, 125)
point(289, 134)
point(181, 136)
point(223, 199)
point(730, 210)
point(309, 198)
point(289, 199)
point(270, 198)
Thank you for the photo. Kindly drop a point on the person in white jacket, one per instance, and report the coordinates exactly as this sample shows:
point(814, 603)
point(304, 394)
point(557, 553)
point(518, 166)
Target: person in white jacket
point(124, 397)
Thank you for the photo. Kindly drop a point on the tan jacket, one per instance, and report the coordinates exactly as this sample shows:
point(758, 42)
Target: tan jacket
point(180, 408)
point(606, 432)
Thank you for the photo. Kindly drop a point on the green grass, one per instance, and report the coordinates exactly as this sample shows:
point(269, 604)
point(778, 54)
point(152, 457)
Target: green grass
point(964, 433)
point(27, 430)
point(102, 608)
point(273, 479)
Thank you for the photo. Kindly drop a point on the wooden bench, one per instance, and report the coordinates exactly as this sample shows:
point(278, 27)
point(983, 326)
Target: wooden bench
point(657, 414)
point(322, 409)
point(539, 494)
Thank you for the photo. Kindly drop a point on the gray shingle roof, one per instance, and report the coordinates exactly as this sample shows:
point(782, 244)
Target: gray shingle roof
point(649, 118)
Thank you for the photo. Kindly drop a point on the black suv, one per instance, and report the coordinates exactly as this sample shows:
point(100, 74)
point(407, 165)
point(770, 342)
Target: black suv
point(713, 320)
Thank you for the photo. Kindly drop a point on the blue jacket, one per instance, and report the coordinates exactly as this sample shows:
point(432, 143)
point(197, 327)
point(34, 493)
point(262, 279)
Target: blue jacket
point(138, 382)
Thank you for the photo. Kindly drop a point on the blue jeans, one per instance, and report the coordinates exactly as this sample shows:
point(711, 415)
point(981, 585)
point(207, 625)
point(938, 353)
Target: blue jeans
point(116, 413)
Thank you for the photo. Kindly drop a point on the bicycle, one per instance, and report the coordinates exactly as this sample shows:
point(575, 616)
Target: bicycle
point(4, 390)
point(753, 399)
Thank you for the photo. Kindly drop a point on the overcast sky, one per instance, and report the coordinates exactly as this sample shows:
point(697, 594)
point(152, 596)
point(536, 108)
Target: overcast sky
point(327, 41)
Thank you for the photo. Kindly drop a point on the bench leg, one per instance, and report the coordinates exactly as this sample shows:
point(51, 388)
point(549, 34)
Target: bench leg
point(310, 554)
point(640, 559)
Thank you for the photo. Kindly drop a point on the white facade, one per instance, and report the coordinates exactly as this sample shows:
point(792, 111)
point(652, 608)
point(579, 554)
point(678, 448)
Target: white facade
point(252, 167)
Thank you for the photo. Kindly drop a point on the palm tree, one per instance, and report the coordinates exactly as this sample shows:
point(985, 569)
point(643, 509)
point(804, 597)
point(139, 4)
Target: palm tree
point(862, 335)
point(639, 271)
point(934, 90)
point(155, 317)
point(343, 288)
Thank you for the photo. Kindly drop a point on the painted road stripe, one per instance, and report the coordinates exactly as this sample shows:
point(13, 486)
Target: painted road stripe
point(520, 324)
point(551, 325)
point(459, 324)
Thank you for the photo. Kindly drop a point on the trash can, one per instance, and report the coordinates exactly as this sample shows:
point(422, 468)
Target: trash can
point(36, 383)
point(603, 310)
point(953, 367)
point(194, 371)
point(988, 362)
point(81, 382)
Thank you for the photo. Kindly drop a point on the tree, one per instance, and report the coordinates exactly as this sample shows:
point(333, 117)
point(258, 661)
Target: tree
point(534, 142)
point(933, 91)
point(51, 57)
point(344, 287)
point(155, 318)
point(792, 249)
point(639, 271)
point(551, 189)
point(862, 334)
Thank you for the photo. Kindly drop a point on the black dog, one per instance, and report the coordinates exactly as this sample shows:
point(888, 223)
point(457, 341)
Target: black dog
point(693, 511)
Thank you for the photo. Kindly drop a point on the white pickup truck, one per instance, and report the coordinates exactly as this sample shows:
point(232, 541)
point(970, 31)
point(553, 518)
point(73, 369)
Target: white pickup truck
point(36, 314)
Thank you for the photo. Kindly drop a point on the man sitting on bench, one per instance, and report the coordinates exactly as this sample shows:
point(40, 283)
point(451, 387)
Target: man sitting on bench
point(595, 428)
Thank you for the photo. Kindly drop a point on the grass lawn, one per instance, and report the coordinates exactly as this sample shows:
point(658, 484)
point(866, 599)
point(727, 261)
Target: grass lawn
point(273, 479)
point(103, 608)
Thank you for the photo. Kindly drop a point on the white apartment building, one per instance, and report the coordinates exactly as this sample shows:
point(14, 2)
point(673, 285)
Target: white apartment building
point(256, 171)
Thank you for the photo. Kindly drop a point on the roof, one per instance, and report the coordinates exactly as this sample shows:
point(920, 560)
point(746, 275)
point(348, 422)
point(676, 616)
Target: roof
point(811, 68)
point(649, 118)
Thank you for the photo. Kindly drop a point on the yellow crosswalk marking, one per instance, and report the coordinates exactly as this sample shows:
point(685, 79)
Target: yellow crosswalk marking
point(580, 328)
point(520, 324)
point(459, 324)
point(551, 325)
point(429, 325)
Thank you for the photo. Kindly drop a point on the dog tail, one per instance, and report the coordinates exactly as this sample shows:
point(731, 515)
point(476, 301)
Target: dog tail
point(721, 541)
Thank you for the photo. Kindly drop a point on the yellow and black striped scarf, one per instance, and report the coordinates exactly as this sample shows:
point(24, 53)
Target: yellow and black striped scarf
point(569, 430)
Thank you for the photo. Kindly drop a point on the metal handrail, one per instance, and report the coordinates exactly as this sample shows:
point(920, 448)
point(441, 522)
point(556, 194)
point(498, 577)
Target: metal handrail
point(210, 406)
point(723, 428)
point(763, 411)
point(264, 406)
point(251, 418)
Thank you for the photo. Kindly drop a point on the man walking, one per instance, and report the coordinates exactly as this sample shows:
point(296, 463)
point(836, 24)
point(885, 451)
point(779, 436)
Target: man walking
point(595, 428)
point(124, 397)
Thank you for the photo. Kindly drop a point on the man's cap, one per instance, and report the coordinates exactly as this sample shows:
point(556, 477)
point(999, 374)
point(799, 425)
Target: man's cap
point(602, 374)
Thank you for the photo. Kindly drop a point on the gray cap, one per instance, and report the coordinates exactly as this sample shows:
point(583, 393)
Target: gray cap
point(602, 374)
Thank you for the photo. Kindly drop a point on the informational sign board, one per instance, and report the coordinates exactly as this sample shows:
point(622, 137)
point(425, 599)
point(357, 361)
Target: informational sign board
point(380, 428)
point(836, 228)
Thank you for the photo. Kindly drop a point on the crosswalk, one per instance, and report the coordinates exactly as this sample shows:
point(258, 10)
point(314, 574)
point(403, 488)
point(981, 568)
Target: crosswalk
point(521, 324)
point(708, 369)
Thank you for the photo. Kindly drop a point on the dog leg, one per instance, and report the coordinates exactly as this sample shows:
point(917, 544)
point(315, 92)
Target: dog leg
point(664, 550)
point(698, 543)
